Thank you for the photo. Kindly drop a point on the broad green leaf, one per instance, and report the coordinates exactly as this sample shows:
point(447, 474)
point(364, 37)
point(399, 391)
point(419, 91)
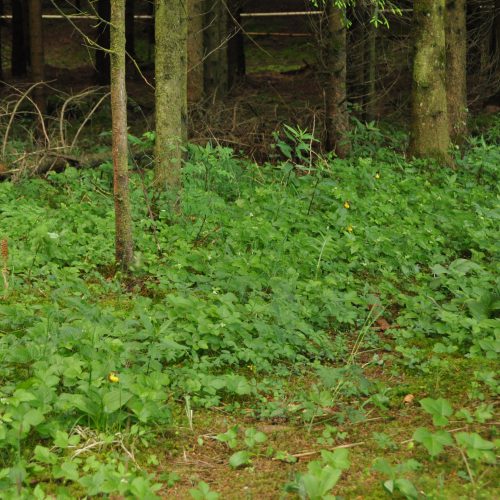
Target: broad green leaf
point(440, 409)
point(239, 459)
point(44, 455)
point(433, 442)
point(115, 399)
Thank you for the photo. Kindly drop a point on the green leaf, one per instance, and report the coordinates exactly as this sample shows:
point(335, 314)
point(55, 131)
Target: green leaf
point(32, 418)
point(239, 459)
point(44, 455)
point(406, 488)
point(440, 409)
point(433, 442)
point(115, 399)
point(476, 447)
point(338, 459)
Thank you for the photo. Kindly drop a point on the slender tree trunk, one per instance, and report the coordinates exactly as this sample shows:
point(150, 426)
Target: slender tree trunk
point(456, 68)
point(123, 217)
point(371, 73)
point(37, 57)
point(130, 27)
point(195, 50)
point(430, 136)
point(102, 65)
point(19, 58)
point(337, 118)
point(236, 45)
point(215, 71)
point(171, 90)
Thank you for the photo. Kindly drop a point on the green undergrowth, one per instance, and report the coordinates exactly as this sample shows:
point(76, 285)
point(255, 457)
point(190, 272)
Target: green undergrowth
point(260, 275)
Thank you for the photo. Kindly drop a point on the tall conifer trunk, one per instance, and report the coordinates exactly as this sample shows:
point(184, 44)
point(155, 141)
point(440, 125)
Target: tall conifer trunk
point(123, 217)
point(19, 54)
point(430, 136)
point(171, 90)
point(37, 72)
point(195, 50)
point(337, 118)
point(215, 71)
point(456, 68)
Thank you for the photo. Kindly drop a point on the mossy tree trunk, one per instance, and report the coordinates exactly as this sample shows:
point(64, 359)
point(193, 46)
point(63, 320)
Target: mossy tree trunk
point(337, 118)
point(171, 90)
point(123, 216)
point(195, 49)
point(215, 56)
point(430, 136)
point(456, 68)
point(130, 27)
point(37, 72)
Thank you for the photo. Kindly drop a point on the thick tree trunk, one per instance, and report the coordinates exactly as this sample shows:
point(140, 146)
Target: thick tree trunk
point(195, 50)
point(171, 90)
point(130, 27)
point(37, 72)
point(215, 71)
point(123, 217)
point(430, 136)
point(337, 118)
point(102, 65)
point(456, 68)
point(19, 56)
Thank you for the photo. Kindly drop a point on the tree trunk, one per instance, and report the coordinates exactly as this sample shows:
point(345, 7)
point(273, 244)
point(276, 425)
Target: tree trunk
point(171, 90)
point(123, 217)
point(19, 57)
point(37, 73)
point(130, 27)
point(456, 68)
point(236, 64)
point(102, 65)
point(195, 50)
point(215, 71)
point(429, 124)
point(337, 118)
point(371, 73)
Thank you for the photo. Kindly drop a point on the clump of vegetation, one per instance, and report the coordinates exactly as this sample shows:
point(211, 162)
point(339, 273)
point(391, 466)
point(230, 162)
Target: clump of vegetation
point(288, 291)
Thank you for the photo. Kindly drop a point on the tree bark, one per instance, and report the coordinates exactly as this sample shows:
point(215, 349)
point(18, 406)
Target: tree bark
point(19, 56)
point(171, 90)
point(337, 118)
point(37, 72)
point(102, 65)
point(215, 71)
point(371, 73)
point(123, 218)
point(456, 68)
point(430, 136)
point(195, 50)
point(236, 64)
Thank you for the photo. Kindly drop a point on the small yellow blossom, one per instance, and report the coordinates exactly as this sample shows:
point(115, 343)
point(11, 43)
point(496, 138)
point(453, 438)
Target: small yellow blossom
point(377, 176)
point(347, 204)
point(350, 228)
point(113, 377)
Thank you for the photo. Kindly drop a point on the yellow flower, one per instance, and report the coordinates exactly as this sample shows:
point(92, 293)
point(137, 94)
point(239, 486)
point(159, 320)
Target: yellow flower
point(377, 176)
point(113, 377)
point(347, 204)
point(350, 228)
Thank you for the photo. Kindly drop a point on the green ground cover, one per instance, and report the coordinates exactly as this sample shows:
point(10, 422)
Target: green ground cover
point(307, 304)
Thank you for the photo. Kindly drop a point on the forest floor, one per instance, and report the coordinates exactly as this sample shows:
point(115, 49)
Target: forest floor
point(297, 327)
point(290, 330)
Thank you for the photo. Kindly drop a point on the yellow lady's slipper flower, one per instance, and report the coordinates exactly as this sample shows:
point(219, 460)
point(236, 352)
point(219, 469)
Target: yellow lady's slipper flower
point(113, 377)
point(347, 204)
point(350, 228)
point(377, 176)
